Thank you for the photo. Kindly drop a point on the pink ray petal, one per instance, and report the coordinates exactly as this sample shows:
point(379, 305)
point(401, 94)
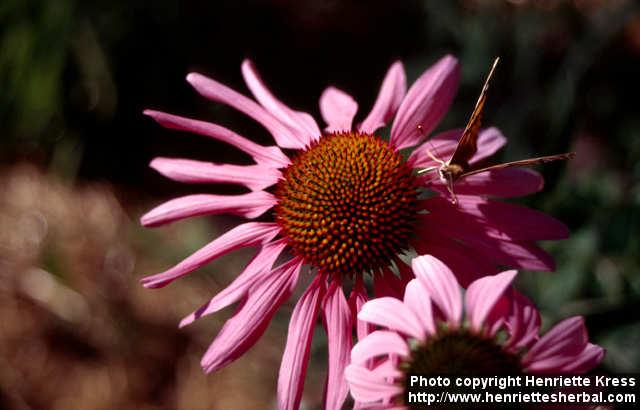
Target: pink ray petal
point(483, 295)
point(295, 358)
point(254, 177)
point(379, 343)
point(417, 298)
point(393, 314)
point(357, 299)
point(337, 319)
point(370, 386)
point(589, 358)
point(523, 323)
point(504, 183)
point(338, 109)
point(302, 123)
point(441, 286)
point(442, 146)
point(512, 221)
point(426, 103)
point(252, 317)
point(268, 156)
point(392, 91)
point(461, 259)
point(216, 91)
point(258, 269)
point(250, 205)
point(248, 234)
point(458, 225)
point(561, 345)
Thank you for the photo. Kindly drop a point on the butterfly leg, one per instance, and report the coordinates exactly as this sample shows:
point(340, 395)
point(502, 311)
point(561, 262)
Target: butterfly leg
point(454, 199)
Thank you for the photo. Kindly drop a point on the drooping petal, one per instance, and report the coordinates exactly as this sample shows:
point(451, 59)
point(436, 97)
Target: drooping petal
point(268, 156)
point(513, 221)
point(560, 346)
point(250, 205)
point(248, 234)
point(378, 343)
point(442, 146)
point(589, 358)
point(254, 177)
point(300, 122)
point(482, 296)
point(460, 258)
point(256, 270)
point(523, 323)
point(426, 103)
point(252, 317)
point(392, 91)
point(441, 285)
point(504, 183)
point(337, 318)
point(216, 91)
point(295, 358)
point(418, 300)
point(357, 299)
point(370, 386)
point(453, 224)
point(338, 109)
point(393, 314)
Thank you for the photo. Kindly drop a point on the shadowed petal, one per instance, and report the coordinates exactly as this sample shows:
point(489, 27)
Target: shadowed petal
point(523, 323)
point(256, 270)
point(589, 358)
point(426, 103)
point(482, 296)
point(248, 234)
point(252, 317)
point(504, 183)
point(337, 318)
point(441, 286)
point(295, 358)
point(300, 122)
point(338, 109)
point(254, 177)
point(392, 91)
point(269, 156)
point(560, 346)
point(249, 205)
point(512, 221)
point(357, 299)
point(216, 91)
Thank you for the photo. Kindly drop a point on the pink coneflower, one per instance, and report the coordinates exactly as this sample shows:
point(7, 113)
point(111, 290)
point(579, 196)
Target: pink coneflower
point(431, 331)
point(345, 204)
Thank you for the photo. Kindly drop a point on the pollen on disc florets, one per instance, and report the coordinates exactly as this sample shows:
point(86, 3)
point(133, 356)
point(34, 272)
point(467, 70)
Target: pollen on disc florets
point(347, 203)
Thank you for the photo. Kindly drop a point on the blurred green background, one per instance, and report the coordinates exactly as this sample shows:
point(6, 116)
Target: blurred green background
point(76, 329)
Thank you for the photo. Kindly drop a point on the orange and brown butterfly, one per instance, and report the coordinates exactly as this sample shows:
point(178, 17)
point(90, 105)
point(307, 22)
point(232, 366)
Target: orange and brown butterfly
point(457, 167)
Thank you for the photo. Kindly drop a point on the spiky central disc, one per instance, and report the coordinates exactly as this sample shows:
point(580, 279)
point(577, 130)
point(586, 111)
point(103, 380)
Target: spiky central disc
point(347, 203)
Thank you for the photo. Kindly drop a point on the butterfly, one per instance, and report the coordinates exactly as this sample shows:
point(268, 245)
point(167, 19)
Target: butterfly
point(457, 167)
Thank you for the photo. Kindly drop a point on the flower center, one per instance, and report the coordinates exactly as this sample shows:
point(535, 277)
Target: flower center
point(460, 353)
point(347, 203)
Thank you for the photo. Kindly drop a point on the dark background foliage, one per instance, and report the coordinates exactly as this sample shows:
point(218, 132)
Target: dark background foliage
point(78, 332)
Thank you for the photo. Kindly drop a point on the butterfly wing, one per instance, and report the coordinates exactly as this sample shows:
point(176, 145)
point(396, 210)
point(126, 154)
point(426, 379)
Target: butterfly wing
point(522, 163)
point(468, 144)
